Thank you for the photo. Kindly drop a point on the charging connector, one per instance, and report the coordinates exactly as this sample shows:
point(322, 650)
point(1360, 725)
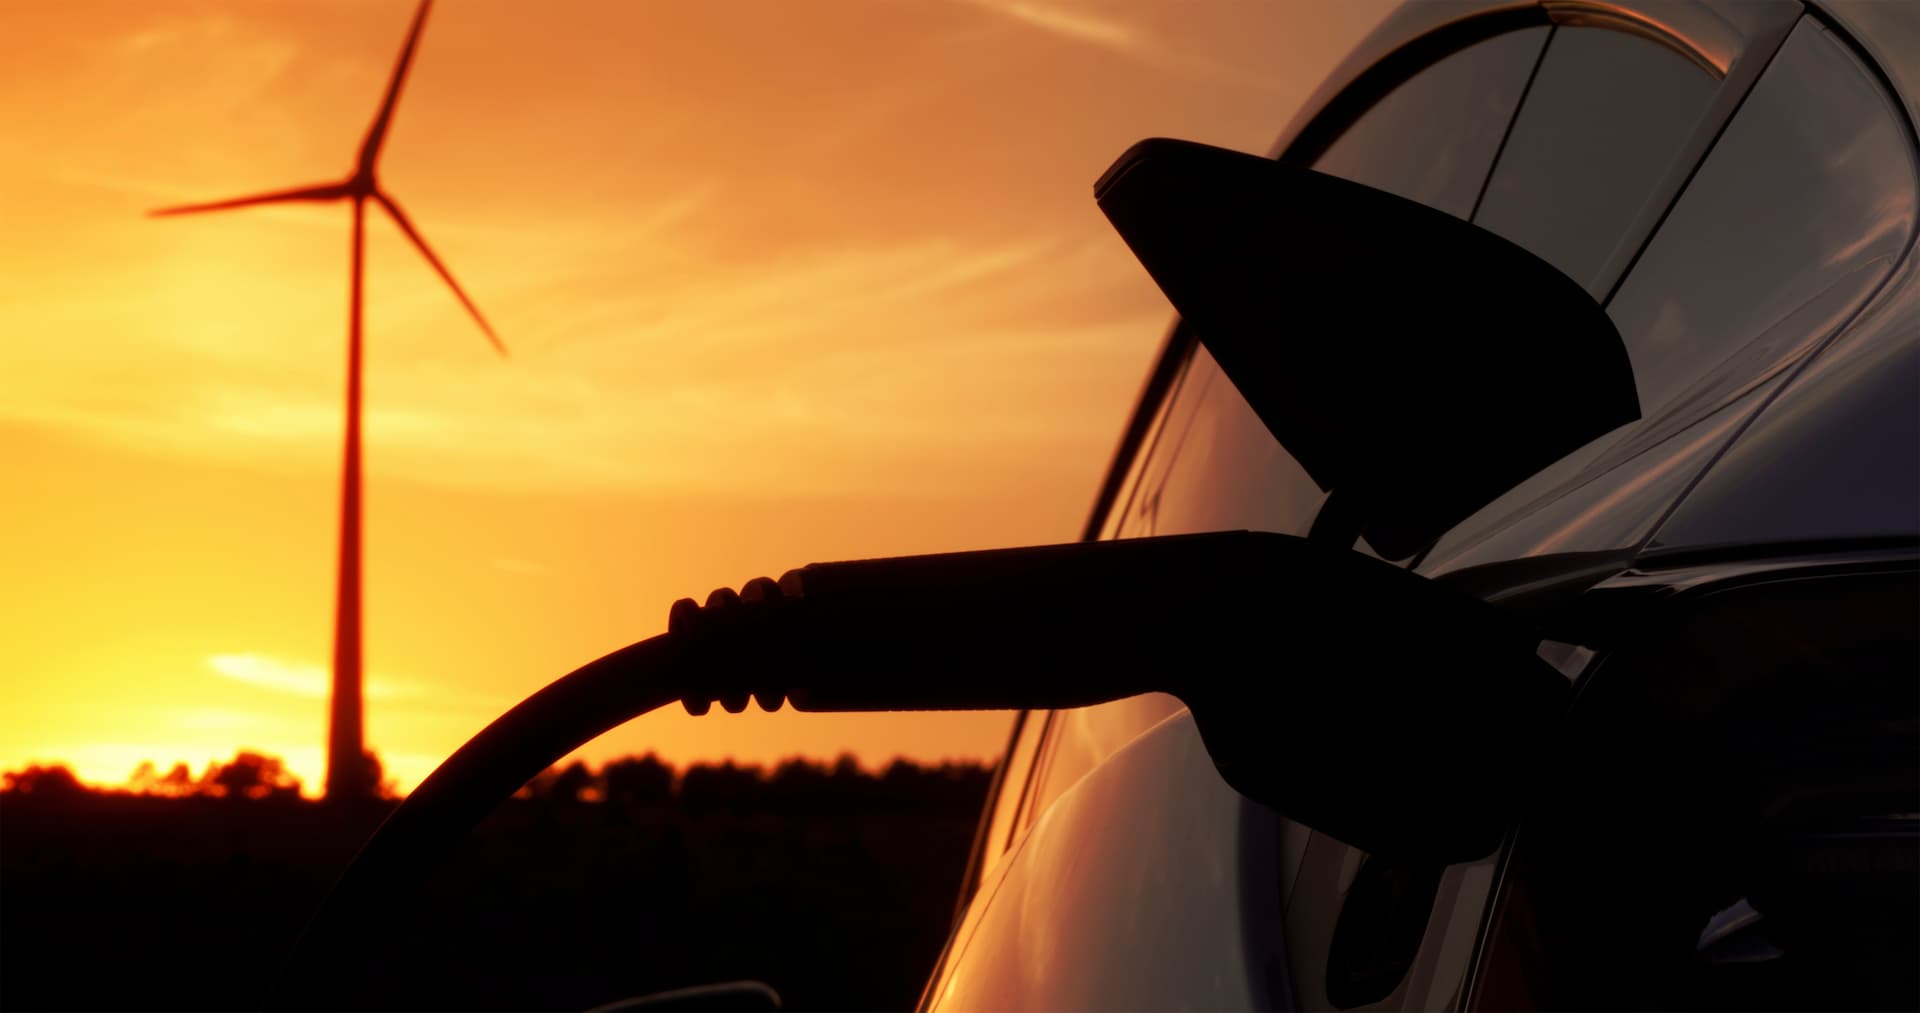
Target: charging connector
point(1355, 697)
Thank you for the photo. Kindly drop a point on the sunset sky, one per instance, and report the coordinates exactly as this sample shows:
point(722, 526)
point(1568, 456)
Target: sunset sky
point(783, 282)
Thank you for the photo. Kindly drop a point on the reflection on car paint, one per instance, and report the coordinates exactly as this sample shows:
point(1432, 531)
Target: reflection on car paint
point(1161, 923)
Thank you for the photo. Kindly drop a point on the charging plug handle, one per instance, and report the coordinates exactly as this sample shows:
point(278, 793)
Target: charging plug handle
point(1353, 696)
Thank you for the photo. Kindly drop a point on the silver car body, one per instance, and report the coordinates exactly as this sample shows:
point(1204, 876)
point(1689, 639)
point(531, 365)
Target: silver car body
point(1116, 870)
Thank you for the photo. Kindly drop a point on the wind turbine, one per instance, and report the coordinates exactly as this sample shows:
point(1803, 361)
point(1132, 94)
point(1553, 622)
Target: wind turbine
point(349, 772)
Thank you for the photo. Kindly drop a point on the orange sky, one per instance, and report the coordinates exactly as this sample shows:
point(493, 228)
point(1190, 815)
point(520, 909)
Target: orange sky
point(783, 282)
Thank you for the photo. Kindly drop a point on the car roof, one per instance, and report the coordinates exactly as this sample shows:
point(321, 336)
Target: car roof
point(1807, 446)
point(1710, 30)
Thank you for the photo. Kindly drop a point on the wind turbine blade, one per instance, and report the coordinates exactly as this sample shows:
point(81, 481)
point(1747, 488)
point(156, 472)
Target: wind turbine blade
point(323, 192)
point(400, 219)
point(377, 132)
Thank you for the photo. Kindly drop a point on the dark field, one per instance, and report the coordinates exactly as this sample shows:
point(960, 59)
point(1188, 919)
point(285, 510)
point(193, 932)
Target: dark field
point(835, 887)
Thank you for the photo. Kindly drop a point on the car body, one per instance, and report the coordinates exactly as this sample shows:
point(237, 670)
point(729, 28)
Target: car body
point(1727, 817)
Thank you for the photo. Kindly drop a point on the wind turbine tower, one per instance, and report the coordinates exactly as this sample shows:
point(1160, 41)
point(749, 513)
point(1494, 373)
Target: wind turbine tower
point(350, 773)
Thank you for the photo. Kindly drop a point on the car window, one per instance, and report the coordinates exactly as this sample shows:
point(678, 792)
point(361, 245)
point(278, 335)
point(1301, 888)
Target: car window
point(1812, 182)
point(1217, 468)
point(1433, 138)
point(1213, 466)
point(1796, 216)
point(1138, 473)
point(1016, 770)
point(1603, 120)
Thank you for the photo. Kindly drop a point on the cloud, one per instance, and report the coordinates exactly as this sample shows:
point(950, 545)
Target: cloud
point(1073, 24)
point(830, 369)
point(310, 681)
point(294, 678)
point(1140, 41)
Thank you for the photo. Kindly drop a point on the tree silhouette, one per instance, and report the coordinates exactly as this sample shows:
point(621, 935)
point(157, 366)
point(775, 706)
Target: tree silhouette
point(177, 783)
point(251, 775)
point(193, 885)
point(726, 785)
point(384, 787)
point(637, 779)
point(179, 780)
point(559, 784)
point(52, 781)
point(572, 783)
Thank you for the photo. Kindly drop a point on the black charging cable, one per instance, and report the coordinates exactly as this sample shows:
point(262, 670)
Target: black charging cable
point(1276, 644)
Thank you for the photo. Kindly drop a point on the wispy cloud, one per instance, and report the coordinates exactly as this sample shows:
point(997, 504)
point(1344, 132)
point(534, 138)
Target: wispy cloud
point(310, 681)
point(1135, 39)
point(1079, 25)
point(304, 680)
point(864, 356)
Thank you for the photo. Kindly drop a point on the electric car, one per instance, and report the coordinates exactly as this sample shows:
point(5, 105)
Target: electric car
point(1726, 817)
point(1506, 593)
